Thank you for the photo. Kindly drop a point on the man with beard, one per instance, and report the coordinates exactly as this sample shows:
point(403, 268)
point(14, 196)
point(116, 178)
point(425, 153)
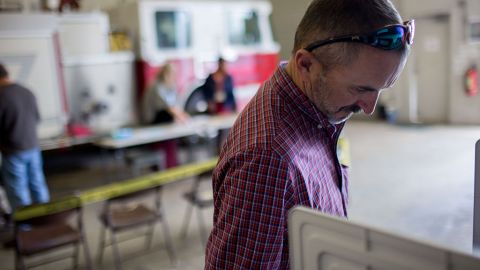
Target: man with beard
point(281, 152)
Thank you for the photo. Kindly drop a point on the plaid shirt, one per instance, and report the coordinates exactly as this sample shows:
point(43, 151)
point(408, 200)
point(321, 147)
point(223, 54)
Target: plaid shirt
point(281, 152)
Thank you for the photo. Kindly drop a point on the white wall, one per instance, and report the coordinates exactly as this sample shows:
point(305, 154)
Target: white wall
point(286, 15)
point(461, 108)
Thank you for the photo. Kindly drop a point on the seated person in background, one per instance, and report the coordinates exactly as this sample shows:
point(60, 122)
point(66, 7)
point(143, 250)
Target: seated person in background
point(159, 101)
point(218, 91)
point(159, 106)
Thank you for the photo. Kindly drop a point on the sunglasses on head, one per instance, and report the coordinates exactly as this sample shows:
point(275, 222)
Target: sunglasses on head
point(390, 37)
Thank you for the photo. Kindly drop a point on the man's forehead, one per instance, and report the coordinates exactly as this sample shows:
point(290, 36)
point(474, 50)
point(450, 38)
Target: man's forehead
point(373, 69)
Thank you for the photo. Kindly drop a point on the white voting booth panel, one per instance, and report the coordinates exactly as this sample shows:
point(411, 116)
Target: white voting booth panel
point(319, 241)
point(476, 202)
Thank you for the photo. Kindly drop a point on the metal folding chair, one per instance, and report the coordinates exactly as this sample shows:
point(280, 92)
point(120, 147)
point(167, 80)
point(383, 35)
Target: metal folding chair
point(198, 198)
point(39, 236)
point(129, 212)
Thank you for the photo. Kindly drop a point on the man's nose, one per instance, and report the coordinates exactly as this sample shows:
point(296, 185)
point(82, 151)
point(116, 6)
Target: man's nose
point(368, 101)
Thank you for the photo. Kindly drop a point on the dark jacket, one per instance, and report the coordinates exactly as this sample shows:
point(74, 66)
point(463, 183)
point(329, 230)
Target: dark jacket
point(209, 91)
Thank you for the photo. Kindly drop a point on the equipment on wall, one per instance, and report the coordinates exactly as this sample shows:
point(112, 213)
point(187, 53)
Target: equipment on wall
point(471, 81)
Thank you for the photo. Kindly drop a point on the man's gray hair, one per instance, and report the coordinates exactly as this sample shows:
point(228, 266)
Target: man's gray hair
point(331, 18)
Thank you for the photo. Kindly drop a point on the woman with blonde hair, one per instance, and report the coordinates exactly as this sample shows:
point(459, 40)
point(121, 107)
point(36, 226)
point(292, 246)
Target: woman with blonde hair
point(159, 103)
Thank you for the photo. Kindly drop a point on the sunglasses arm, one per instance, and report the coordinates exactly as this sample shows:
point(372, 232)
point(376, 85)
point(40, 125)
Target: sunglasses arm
point(320, 43)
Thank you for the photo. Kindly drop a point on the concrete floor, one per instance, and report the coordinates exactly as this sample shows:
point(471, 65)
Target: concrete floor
point(415, 181)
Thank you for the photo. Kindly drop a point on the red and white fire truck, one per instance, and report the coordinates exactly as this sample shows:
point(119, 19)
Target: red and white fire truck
point(66, 60)
point(193, 34)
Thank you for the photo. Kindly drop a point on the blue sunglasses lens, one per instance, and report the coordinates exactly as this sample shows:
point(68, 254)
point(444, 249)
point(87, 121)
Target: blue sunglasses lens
point(388, 38)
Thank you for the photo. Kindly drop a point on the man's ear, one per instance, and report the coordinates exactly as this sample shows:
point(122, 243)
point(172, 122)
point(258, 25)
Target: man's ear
point(303, 61)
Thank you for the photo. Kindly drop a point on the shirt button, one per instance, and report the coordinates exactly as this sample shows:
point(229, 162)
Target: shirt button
point(319, 126)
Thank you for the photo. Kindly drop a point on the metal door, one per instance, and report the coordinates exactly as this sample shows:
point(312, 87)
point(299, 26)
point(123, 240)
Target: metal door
point(431, 54)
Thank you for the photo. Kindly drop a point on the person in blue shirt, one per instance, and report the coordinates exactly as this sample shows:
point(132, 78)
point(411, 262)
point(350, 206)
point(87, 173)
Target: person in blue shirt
point(218, 90)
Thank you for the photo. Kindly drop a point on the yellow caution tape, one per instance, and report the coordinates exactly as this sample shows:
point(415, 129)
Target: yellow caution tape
point(47, 208)
point(117, 189)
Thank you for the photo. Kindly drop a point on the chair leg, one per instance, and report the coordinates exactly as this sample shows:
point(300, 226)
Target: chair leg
point(149, 235)
point(86, 253)
point(203, 227)
point(186, 221)
point(116, 252)
point(19, 263)
point(75, 255)
point(169, 242)
point(101, 247)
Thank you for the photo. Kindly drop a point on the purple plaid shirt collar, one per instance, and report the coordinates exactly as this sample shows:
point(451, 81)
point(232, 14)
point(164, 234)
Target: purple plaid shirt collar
point(289, 90)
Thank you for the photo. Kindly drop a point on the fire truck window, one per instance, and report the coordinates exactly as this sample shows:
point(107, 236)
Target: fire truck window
point(243, 28)
point(173, 29)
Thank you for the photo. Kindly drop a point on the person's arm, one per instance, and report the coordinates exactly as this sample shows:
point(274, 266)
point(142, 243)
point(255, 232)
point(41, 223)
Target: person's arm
point(251, 203)
point(178, 114)
point(208, 90)
point(37, 111)
point(168, 102)
point(230, 101)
